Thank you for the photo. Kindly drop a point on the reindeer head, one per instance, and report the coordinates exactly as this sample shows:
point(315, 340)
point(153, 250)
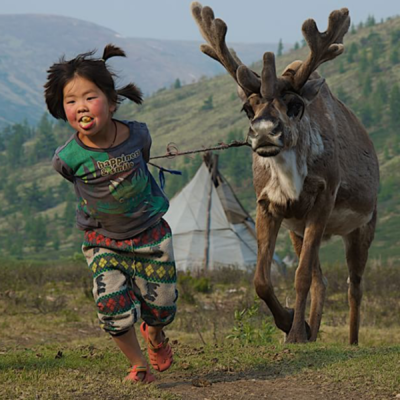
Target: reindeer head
point(275, 105)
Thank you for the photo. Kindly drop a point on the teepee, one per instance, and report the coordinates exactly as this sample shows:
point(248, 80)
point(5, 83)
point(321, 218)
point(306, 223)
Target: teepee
point(210, 227)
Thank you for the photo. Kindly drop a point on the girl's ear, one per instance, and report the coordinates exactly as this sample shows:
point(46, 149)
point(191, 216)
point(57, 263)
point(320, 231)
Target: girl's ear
point(113, 108)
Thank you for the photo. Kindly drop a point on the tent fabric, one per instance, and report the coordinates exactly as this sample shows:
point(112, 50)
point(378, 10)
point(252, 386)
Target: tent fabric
point(232, 237)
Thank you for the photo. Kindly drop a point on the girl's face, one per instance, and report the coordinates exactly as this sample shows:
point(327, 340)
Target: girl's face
point(87, 108)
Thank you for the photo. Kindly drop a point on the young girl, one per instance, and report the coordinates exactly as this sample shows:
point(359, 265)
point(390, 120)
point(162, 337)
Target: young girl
point(127, 244)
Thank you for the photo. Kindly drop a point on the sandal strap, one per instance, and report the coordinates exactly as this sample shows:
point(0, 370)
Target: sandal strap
point(161, 345)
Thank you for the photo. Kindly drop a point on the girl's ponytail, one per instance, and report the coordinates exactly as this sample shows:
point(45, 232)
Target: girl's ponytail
point(112, 51)
point(131, 92)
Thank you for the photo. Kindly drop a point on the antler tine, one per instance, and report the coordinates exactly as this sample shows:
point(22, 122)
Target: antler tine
point(324, 46)
point(214, 31)
point(268, 76)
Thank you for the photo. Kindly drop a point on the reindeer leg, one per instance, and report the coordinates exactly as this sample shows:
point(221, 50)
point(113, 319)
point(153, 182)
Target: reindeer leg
point(267, 231)
point(318, 291)
point(357, 244)
point(308, 266)
point(318, 288)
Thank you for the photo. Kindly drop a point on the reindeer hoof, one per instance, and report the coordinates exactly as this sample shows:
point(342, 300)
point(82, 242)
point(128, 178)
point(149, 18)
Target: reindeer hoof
point(296, 337)
point(285, 324)
point(299, 336)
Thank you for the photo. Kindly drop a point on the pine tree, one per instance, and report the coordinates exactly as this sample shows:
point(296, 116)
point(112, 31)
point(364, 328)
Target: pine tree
point(208, 103)
point(279, 52)
point(394, 107)
point(177, 84)
point(367, 87)
point(33, 197)
point(370, 21)
point(394, 56)
point(46, 142)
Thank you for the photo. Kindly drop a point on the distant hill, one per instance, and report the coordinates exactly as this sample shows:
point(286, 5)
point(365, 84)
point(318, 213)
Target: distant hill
point(29, 44)
point(37, 205)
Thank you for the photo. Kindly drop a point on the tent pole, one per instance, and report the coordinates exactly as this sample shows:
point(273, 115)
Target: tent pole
point(207, 236)
point(213, 179)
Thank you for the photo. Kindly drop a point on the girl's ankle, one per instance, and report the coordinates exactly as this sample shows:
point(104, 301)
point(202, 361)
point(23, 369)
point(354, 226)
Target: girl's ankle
point(156, 336)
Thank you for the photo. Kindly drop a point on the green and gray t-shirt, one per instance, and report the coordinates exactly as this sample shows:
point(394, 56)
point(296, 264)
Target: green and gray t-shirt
point(117, 195)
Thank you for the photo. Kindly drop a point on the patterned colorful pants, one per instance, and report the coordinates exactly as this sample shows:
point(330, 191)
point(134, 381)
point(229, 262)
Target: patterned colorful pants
point(133, 278)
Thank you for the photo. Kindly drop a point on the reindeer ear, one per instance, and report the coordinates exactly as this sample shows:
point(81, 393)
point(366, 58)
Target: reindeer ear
point(311, 89)
point(241, 94)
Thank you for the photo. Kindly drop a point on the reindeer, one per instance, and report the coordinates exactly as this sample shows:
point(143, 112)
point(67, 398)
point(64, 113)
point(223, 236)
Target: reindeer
point(315, 169)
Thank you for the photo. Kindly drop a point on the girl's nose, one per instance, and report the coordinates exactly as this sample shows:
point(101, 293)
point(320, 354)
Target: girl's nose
point(82, 108)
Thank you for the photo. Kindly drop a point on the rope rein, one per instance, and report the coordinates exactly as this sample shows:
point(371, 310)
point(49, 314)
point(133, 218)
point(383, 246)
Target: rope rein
point(172, 149)
point(172, 152)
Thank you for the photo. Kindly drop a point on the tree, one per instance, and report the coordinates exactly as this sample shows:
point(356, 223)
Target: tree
point(38, 233)
point(279, 52)
point(370, 21)
point(208, 103)
point(33, 197)
point(367, 86)
point(296, 46)
point(352, 51)
point(395, 36)
point(381, 91)
point(342, 95)
point(394, 107)
point(394, 56)
point(366, 114)
point(364, 63)
point(15, 149)
point(46, 142)
point(379, 99)
point(10, 193)
point(177, 84)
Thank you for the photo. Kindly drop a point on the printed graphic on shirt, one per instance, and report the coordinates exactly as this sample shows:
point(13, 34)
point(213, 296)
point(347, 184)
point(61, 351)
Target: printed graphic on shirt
point(117, 164)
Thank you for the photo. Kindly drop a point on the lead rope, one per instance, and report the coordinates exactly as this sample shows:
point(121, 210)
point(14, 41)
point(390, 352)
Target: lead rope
point(172, 152)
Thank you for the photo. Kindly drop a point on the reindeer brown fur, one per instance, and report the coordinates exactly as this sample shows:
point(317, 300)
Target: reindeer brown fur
point(315, 169)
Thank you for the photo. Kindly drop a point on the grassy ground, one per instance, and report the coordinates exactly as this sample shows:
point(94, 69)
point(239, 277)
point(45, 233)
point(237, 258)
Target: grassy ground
point(52, 348)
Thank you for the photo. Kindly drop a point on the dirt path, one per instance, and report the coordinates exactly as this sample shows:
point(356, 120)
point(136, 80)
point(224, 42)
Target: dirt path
point(237, 387)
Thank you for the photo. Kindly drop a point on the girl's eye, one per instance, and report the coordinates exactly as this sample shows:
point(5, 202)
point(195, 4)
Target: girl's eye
point(70, 102)
point(91, 98)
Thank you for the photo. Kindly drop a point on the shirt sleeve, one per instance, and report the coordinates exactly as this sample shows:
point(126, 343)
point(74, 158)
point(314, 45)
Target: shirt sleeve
point(62, 168)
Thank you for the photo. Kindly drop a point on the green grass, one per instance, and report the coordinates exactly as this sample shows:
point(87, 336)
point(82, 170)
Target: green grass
point(51, 346)
point(93, 368)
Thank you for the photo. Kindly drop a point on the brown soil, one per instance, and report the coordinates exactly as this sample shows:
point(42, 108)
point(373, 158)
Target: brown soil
point(262, 386)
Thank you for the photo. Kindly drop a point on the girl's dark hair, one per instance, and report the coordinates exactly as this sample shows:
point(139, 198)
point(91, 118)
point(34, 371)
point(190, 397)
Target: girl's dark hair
point(92, 69)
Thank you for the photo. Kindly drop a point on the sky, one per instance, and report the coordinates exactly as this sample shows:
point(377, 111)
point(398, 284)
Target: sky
point(249, 21)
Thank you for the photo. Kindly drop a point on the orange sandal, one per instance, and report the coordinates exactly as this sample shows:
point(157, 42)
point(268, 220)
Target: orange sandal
point(137, 369)
point(161, 355)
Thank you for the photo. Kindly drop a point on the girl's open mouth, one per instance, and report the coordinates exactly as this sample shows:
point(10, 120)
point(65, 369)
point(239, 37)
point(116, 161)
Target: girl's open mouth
point(86, 122)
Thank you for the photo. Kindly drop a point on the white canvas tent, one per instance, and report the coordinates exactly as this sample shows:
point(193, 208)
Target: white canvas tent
point(210, 227)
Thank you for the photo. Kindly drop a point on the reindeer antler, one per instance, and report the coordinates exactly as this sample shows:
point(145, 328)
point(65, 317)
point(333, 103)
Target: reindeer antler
point(324, 46)
point(214, 31)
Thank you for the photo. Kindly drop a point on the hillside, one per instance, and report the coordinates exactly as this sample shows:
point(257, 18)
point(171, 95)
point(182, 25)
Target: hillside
point(29, 44)
point(366, 77)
